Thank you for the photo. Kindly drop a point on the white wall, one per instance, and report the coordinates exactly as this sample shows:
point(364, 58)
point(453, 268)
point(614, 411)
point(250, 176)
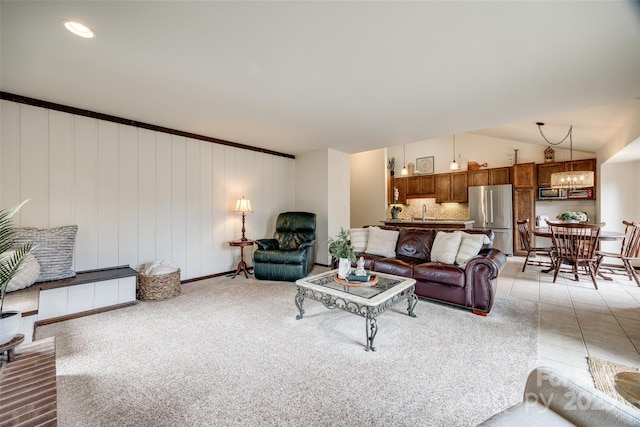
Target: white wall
point(476, 148)
point(137, 195)
point(368, 187)
point(322, 187)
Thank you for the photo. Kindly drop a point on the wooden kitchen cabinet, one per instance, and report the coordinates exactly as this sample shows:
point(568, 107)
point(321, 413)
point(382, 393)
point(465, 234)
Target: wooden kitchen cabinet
point(524, 175)
point(401, 185)
point(545, 170)
point(477, 178)
point(581, 165)
point(499, 176)
point(494, 176)
point(523, 207)
point(451, 187)
point(421, 186)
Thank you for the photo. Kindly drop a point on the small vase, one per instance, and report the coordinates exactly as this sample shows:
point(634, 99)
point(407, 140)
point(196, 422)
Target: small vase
point(344, 268)
point(394, 215)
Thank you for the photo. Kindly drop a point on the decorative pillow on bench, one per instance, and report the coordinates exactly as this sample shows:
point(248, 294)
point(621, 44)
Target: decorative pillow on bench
point(27, 273)
point(53, 248)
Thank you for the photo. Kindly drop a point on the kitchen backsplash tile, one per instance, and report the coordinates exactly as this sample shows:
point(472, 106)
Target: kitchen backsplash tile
point(434, 210)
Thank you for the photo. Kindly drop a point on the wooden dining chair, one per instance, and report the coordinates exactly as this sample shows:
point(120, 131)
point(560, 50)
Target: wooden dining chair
point(576, 244)
point(629, 250)
point(525, 243)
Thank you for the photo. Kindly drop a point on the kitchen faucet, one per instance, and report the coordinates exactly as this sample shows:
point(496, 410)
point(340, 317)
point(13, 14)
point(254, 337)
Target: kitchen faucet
point(424, 212)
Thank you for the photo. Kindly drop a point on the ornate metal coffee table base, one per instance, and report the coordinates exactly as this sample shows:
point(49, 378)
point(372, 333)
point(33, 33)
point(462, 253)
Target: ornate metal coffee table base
point(368, 311)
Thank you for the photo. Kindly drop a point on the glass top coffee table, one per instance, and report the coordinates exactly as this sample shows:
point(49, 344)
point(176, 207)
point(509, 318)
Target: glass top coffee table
point(365, 301)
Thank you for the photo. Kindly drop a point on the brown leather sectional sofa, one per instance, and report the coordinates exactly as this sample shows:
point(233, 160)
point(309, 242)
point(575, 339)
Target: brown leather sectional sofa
point(473, 287)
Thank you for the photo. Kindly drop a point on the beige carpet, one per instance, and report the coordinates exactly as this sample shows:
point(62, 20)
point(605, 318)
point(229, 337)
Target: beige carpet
point(230, 352)
point(604, 372)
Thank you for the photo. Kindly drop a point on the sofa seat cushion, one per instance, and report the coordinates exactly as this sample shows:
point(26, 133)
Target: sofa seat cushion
point(399, 266)
point(280, 257)
point(436, 272)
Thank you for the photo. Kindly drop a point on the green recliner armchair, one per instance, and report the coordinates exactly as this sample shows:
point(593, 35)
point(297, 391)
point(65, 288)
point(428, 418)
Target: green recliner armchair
point(290, 255)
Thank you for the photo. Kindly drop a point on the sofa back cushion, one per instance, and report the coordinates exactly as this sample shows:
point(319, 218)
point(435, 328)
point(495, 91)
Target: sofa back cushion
point(470, 246)
point(359, 238)
point(445, 247)
point(382, 242)
point(416, 242)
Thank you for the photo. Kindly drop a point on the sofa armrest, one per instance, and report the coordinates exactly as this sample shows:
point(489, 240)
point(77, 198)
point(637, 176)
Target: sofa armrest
point(580, 404)
point(267, 244)
point(481, 273)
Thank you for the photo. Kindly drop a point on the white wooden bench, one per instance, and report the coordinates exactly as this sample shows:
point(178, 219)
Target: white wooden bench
point(89, 292)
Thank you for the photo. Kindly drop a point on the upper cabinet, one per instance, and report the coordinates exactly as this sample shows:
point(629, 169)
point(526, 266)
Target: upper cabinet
point(451, 187)
point(494, 176)
point(421, 186)
point(524, 175)
point(546, 169)
point(401, 185)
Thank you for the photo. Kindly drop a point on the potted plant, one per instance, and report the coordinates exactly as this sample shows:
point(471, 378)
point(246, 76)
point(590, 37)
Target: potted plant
point(341, 249)
point(10, 262)
point(395, 210)
point(570, 216)
point(391, 165)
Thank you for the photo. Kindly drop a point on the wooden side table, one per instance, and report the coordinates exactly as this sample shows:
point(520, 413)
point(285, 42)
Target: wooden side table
point(242, 266)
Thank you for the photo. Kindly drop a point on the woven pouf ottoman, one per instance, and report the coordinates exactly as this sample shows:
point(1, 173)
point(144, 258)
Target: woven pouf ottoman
point(154, 287)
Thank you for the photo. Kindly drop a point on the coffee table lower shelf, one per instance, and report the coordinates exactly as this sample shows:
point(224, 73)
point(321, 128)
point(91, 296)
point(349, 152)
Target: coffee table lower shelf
point(369, 302)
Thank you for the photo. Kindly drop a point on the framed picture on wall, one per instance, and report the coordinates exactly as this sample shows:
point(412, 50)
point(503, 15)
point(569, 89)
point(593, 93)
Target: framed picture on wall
point(424, 164)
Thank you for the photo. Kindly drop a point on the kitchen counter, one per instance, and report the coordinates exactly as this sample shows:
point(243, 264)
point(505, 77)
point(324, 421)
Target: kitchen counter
point(431, 223)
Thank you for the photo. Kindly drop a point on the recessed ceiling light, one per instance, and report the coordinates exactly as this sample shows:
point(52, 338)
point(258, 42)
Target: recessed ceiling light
point(79, 29)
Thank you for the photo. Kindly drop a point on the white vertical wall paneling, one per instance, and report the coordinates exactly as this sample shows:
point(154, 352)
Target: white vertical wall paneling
point(227, 206)
point(146, 197)
point(206, 252)
point(193, 267)
point(10, 156)
point(178, 201)
point(220, 246)
point(108, 188)
point(61, 175)
point(34, 175)
point(139, 195)
point(163, 197)
point(127, 197)
point(86, 184)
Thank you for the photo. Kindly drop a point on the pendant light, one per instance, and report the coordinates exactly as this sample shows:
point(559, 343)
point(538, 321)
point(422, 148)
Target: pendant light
point(453, 165)
point(404, 171)
point(569, 179)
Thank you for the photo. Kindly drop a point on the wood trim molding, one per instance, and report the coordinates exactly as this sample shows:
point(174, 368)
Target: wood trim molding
point(106, 117)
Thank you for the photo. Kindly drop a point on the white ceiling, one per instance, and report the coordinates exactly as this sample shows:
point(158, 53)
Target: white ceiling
point(351, 76)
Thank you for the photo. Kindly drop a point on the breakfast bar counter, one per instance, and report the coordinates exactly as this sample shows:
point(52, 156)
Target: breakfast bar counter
point(431, 223)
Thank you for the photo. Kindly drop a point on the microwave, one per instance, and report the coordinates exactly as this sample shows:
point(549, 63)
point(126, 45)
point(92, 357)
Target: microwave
point(548, 193)
point(582, 193)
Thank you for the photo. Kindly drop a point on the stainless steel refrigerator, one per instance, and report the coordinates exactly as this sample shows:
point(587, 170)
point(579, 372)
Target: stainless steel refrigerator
point(491, 207)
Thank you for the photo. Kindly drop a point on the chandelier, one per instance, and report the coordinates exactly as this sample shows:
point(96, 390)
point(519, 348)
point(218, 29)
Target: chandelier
point(569, 179)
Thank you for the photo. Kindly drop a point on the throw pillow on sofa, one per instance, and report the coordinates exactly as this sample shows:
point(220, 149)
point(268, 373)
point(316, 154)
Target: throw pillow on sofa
point(359, 238)
point(382, 242)
point(445, 247)
point(470, 246)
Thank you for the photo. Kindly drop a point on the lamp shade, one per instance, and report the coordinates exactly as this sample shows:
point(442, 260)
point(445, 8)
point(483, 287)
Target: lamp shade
point(572, 179)
point(243, 205)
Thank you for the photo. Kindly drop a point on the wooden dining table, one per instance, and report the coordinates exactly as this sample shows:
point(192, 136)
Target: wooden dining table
point(605, 235)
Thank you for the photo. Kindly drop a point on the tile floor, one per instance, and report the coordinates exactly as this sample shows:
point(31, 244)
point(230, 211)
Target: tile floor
point(576, 320)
